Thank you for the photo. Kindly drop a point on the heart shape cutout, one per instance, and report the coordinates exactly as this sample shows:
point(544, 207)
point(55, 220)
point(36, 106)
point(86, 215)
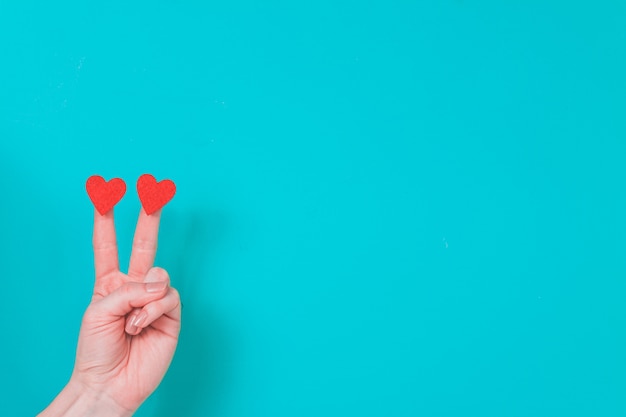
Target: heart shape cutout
point(104, 195)
point(152, 194)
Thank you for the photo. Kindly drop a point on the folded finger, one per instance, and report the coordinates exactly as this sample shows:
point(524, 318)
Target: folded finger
point(155, 274)
point(166, 307)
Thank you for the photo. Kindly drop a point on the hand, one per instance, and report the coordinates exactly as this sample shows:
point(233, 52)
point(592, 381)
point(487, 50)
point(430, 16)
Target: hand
point(130, 330)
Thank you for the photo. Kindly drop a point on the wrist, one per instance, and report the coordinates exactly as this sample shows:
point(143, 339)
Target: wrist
point(79, 400)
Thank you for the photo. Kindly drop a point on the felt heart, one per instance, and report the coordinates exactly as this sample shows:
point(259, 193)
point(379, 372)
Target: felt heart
point(104, 195)
point(153, 194)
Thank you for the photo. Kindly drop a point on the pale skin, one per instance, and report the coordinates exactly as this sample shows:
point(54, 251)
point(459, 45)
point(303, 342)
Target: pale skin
point(129, 331)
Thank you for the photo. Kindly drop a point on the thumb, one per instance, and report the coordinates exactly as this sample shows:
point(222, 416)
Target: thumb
point(157, 274)
point(130, 295)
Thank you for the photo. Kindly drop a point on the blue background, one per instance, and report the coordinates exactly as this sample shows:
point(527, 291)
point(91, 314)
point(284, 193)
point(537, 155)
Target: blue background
point(383, 208)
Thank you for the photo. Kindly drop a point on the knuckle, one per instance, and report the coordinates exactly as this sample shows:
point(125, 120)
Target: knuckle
point(176, 303)
point(175, 293)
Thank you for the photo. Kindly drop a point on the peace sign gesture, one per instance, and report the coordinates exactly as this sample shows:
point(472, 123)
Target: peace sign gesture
point(130, 330)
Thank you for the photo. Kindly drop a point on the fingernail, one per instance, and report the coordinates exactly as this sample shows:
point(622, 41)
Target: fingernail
point(139, 319)
point(130, 327)
point(156, 286)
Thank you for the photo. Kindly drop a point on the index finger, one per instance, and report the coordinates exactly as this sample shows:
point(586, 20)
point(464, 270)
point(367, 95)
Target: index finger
point(144, 244)
point(104, 245)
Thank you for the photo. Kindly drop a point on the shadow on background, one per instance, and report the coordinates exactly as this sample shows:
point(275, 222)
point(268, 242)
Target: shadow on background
point(196, 379)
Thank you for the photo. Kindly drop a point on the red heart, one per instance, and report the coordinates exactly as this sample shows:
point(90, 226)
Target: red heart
point(153, 194)
point(104, 195)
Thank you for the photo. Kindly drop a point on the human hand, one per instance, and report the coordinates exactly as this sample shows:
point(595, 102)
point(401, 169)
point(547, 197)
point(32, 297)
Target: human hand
point(130, 330)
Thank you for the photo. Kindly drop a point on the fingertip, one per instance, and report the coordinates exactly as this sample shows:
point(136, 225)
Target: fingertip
point(135, 321)
point(156, 274)
point(130, 327)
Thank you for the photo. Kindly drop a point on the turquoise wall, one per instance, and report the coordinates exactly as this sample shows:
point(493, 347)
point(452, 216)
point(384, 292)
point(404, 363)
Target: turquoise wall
point(384, 208)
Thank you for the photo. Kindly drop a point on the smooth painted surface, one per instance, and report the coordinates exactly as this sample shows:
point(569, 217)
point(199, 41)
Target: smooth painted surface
point(383, 208)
